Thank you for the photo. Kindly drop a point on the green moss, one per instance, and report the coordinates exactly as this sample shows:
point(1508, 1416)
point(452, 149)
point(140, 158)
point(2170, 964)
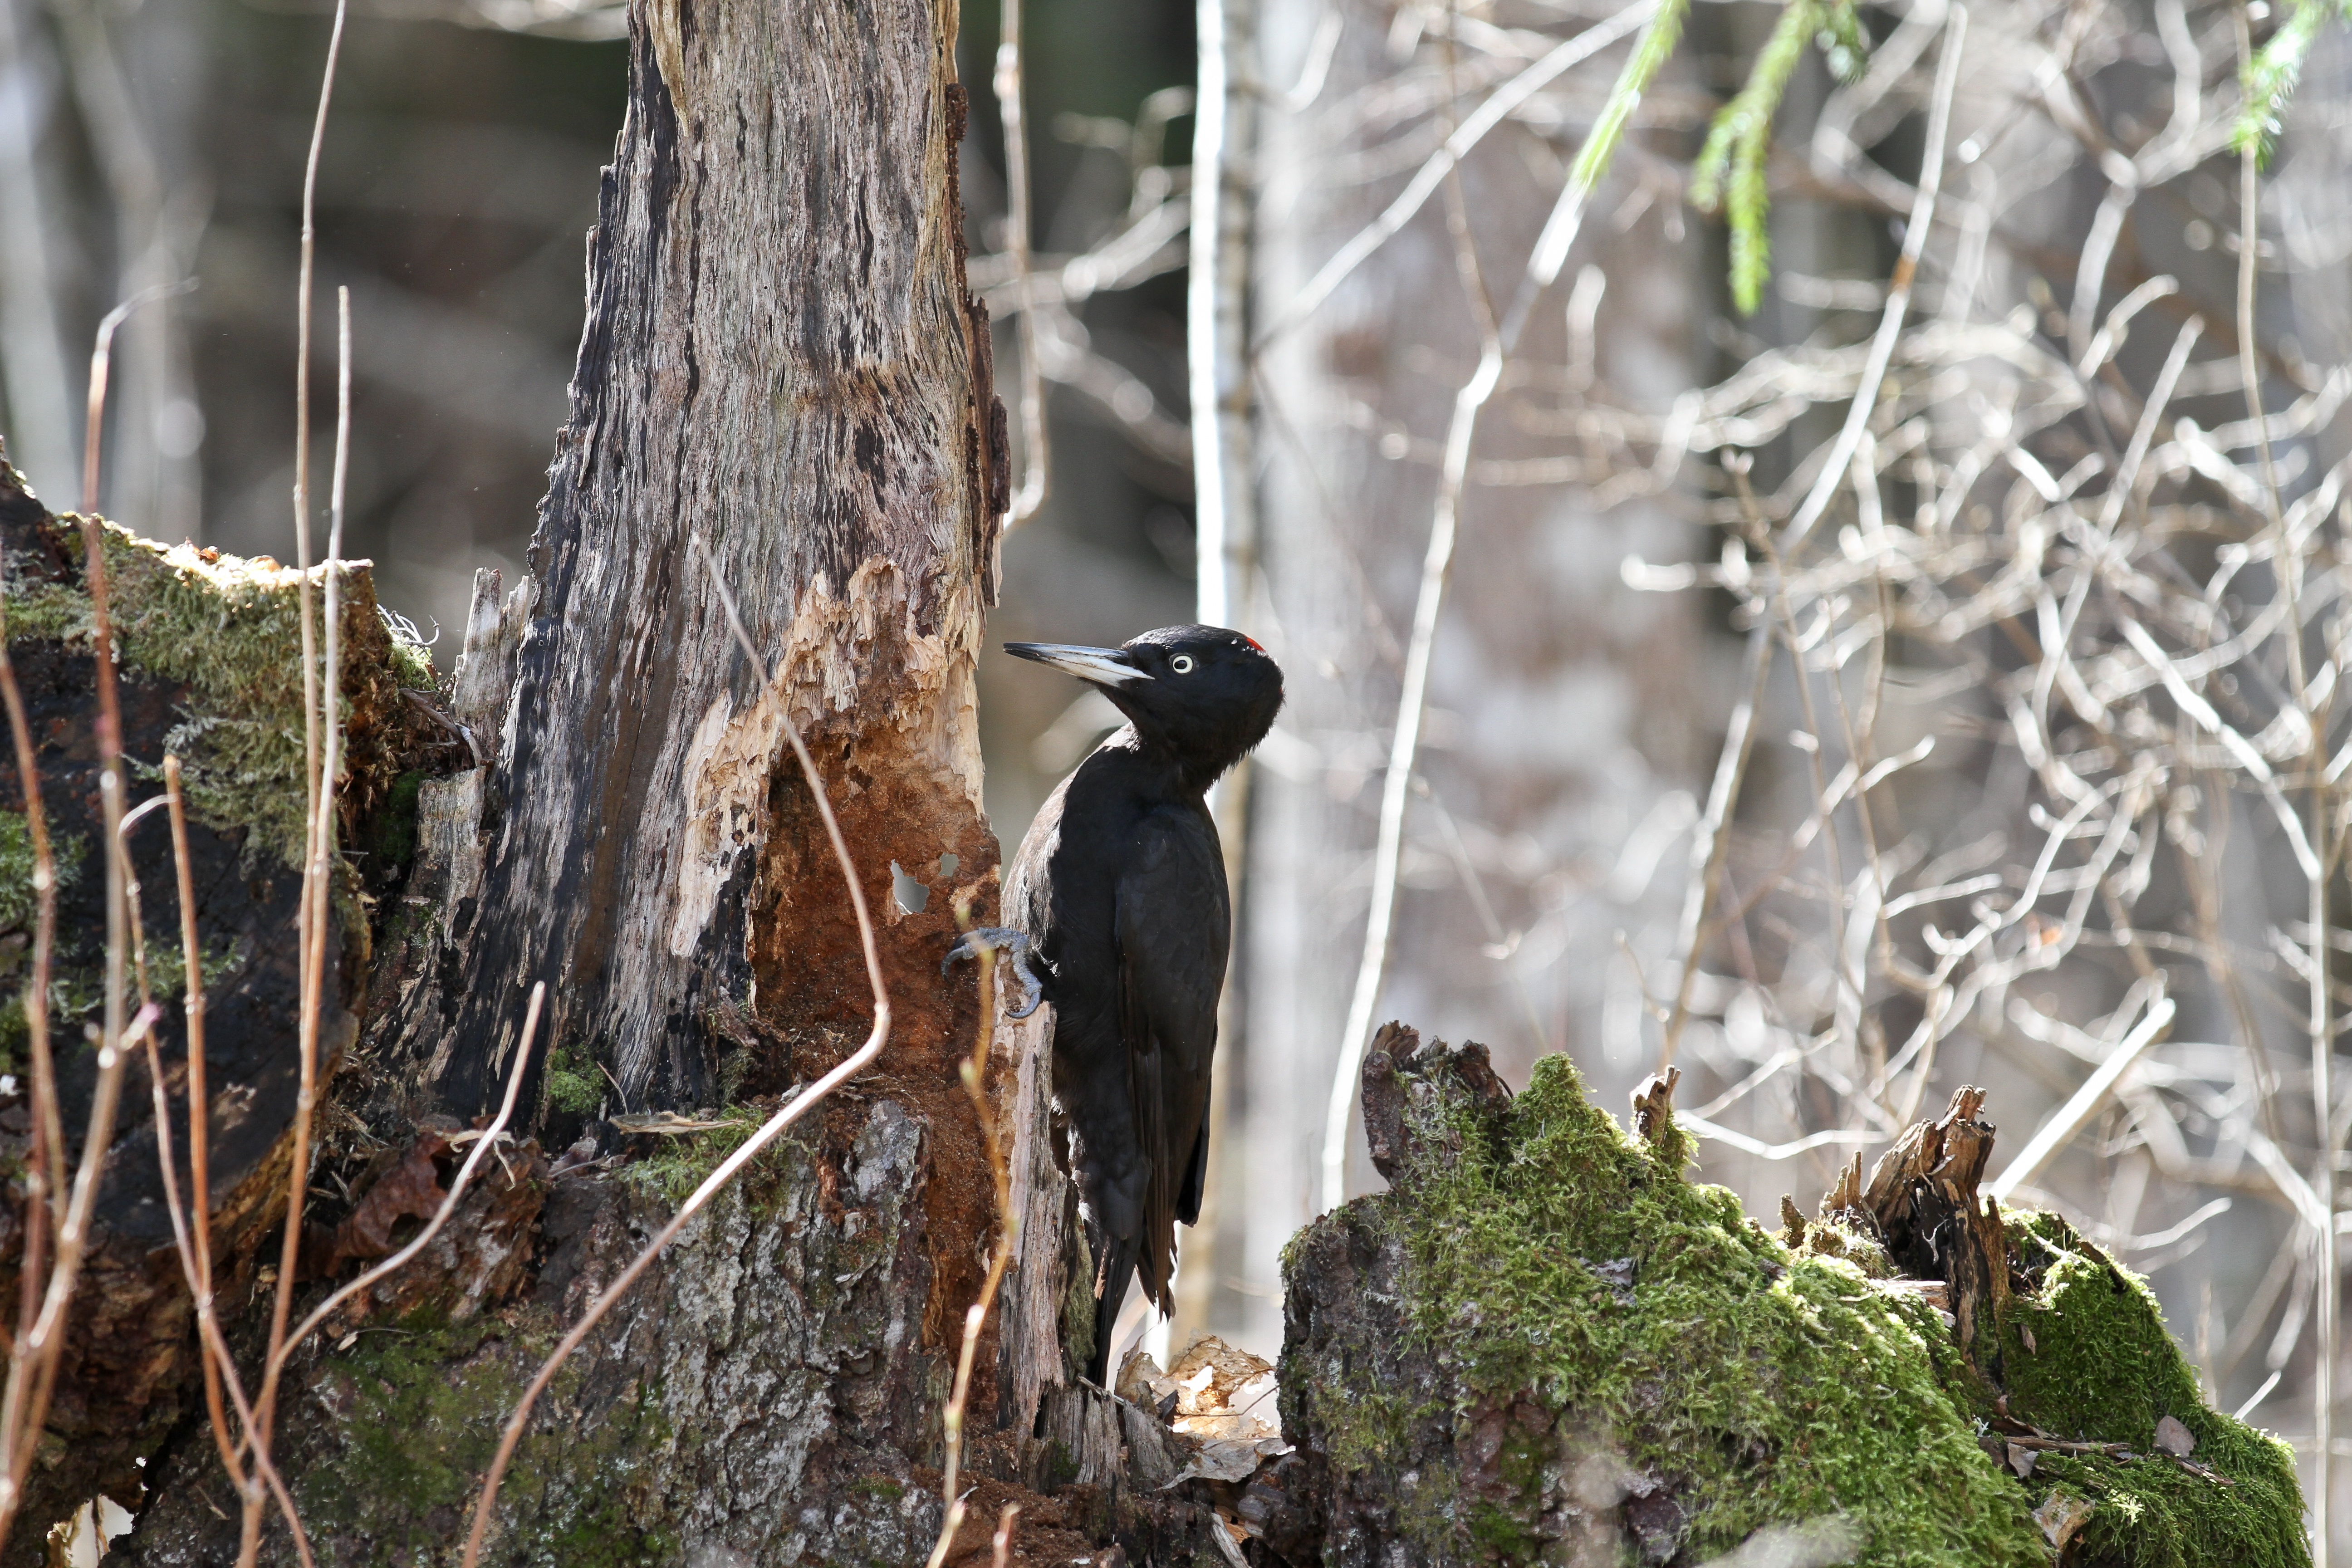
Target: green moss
point(46, 610)
point(419, 1411)
point(575, 1084)
point(1834, 1238)
point(2102, 1368)
point(1376, 1422)
point(679, 1163)
point(571, 1092)
point(1428, 1502)
point(1060, 1467)
point(412, 665)
point(393, 841)
point(19, 902)
point(230, 630)
point(76, 992)
point(1564, 1261)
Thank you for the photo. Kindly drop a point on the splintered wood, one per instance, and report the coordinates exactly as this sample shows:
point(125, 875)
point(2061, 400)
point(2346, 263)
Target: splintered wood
point(1923, 1204)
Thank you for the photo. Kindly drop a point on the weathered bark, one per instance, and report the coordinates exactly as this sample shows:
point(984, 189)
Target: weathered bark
point(1922, 1205)
point(1544, 1344)
point(769, 1395)
point(781, 361)
point(781, 365)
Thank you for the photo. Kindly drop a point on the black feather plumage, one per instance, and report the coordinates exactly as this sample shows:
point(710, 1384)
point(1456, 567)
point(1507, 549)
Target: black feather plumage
point(1120, 887)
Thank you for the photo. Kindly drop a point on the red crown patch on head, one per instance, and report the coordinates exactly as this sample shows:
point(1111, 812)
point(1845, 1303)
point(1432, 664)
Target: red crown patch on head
point(1251, 640)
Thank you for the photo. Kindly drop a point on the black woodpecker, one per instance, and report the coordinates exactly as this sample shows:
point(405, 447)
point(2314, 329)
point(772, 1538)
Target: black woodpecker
point(1117, 904)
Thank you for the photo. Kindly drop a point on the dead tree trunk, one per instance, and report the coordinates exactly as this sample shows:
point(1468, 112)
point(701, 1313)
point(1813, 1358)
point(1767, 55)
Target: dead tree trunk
point(205, 670)
point(782, 368)
point(781, 360)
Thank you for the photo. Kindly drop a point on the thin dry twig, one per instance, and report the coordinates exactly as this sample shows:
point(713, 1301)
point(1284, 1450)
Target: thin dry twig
point(1712, 844)
point(44, 1197)
point(212, 1350)
point(1498, 341)
point(101, 358)
point(2287, 555)
point(1497, 109)
point(44, 1194)
point(33, 1360)
point(1001, 1544)
point(220, 1363)
point(199, 1095)
point(1899, 293)
point(318, 780)
point(973, 1072)
point(482, 1147)
point(1017, 219)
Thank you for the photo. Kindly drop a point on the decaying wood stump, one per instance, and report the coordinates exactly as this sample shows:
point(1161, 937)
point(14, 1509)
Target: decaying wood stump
point(1545, 1345)
point(207, 669)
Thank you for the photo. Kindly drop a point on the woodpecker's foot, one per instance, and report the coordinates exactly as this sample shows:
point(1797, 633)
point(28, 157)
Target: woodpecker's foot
point(1014, 945)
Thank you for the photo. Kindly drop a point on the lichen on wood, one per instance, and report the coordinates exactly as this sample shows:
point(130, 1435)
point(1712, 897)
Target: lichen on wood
point(1546, 1344)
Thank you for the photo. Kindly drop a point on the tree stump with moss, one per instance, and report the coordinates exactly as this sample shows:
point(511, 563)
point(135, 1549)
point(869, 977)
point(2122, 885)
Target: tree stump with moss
point(207, 669)
point(1545, 1345)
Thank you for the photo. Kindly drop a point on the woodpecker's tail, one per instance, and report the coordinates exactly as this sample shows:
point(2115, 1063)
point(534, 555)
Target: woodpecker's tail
point(1118, 1267)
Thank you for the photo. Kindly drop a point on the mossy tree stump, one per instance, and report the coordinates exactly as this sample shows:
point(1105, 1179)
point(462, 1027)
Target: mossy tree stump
point(204, 649)
point(1545, 1345)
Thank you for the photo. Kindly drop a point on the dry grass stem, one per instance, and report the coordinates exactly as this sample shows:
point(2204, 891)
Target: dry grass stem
point(974, 1074)
point(34, 1357)
point(1017, 222)
point(199, 1263)
point(318, 706)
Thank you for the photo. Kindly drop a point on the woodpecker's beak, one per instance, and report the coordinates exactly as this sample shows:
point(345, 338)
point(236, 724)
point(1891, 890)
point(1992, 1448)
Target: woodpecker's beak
point(1102, 666)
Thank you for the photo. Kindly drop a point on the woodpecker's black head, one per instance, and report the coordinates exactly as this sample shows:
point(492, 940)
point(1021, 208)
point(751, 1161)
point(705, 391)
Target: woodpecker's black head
point(1203, 693)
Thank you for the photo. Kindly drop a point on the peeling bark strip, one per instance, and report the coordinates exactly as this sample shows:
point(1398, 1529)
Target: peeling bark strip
point(781, 357)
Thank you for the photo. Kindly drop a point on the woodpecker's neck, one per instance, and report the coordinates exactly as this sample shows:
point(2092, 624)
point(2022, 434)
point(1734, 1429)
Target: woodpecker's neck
point(1167, 770)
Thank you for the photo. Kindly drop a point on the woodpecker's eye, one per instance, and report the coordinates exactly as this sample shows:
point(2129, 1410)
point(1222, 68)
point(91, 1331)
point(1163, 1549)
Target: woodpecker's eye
point(1181, 664)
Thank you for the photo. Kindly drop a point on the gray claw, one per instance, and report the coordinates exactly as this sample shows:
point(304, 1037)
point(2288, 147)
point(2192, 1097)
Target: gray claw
point(1013, 943)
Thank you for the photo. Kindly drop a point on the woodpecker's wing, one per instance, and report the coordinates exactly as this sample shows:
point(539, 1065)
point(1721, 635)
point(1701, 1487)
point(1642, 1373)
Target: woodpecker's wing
point(1173, 923)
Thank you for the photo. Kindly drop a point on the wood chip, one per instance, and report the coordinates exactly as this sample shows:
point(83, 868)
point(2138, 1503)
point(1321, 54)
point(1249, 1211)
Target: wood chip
point(2062, 1518)
point(670, 1124)
point(2174, 1438)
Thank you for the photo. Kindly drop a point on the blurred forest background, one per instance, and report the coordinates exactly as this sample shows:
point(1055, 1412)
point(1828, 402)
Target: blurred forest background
point(1972, 829)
